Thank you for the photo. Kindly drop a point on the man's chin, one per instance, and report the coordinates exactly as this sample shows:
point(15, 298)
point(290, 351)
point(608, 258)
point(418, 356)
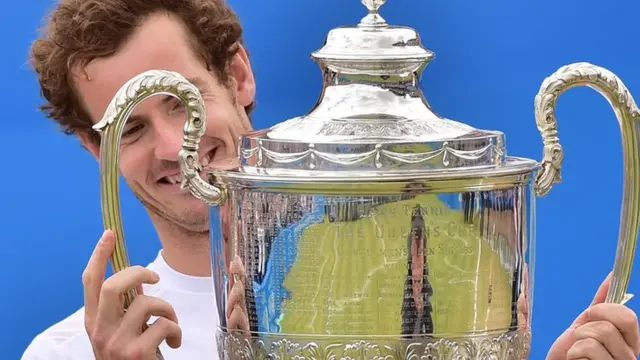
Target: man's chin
point(189, 219)
point(185, 212)
point(190, 210)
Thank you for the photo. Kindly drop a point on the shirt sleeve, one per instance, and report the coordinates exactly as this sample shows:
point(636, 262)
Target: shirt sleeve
point(43, 348)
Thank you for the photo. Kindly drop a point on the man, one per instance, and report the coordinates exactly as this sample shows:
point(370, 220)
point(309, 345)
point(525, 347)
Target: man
point(90, 49)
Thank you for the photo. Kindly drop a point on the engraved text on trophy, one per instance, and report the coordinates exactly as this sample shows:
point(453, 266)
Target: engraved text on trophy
point(392, 265)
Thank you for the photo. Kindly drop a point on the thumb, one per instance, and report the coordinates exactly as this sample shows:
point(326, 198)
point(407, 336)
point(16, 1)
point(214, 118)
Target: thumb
point(599, 298)
point(601, 294)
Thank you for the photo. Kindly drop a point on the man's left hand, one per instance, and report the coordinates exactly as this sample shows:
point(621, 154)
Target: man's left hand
point(602, 332)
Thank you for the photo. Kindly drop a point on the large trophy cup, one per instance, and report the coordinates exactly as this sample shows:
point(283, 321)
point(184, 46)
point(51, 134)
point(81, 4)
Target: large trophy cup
point(371, 227)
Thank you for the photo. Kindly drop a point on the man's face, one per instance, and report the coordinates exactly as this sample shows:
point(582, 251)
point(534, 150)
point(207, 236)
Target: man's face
point(153, 135)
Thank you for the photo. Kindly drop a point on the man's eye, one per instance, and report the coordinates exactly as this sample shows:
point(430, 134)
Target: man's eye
point(176, 106)
point(132, 130)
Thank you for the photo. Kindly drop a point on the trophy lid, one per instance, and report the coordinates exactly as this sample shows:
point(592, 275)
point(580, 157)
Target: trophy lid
point(371, 115)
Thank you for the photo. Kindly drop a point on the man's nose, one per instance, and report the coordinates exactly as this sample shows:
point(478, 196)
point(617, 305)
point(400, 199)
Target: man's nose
point(168, 141)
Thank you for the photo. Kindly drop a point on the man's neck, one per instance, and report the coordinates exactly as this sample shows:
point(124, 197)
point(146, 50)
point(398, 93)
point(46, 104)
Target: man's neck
point(185, 253)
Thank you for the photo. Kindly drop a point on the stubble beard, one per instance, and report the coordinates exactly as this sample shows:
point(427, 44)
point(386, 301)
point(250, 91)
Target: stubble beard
point(189, 223)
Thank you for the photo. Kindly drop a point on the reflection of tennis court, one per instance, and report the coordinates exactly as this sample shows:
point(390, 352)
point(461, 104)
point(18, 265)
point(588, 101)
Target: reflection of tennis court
point(349, 277)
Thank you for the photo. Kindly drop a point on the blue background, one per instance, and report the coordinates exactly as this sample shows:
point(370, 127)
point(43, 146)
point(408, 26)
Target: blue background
point(491, 57)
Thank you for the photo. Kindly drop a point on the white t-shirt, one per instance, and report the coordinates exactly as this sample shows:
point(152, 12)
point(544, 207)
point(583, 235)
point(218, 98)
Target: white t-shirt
point(191, 297)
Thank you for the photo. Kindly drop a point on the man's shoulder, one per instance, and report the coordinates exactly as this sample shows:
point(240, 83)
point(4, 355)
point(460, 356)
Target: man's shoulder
point(67, 339)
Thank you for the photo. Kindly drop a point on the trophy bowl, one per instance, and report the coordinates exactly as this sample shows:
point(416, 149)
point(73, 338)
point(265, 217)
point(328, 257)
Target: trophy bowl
point(371, 227)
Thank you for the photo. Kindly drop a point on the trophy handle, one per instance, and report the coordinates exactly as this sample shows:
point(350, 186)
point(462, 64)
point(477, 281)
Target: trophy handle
point(611, 87)
point(135, 91)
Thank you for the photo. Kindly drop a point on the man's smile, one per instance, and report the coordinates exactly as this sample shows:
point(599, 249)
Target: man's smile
point(174, 177)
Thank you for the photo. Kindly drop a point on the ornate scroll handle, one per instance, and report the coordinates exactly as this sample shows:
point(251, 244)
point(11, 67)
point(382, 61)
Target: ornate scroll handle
point(135, 91)
point(628, 115)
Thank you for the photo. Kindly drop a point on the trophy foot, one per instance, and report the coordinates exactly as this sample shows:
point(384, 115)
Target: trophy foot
point(509, 345)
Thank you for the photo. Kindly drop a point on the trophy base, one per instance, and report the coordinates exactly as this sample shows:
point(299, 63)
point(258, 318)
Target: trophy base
point(510, 345)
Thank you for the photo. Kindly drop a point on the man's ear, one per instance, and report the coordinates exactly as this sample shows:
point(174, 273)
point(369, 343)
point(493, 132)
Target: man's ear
point(88, 142)
point(241, 72)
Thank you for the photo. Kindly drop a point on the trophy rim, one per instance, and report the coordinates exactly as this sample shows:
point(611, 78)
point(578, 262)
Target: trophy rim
point(516, 171)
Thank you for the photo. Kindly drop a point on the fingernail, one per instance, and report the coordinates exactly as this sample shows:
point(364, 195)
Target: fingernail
point(104, 241)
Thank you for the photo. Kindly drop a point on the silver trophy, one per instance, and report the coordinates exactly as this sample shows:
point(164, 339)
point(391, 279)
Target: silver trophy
point(372, 227)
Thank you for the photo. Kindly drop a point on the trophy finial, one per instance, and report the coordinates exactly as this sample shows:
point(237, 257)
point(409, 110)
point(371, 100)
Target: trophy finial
point(373, 18)
point(373, 5)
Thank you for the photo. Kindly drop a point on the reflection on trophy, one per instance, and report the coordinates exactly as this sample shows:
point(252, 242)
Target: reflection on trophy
point(417, 310)
point(371, 227)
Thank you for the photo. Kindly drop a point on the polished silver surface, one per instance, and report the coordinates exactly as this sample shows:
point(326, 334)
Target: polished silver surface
point(372, 227)
point(412, 274)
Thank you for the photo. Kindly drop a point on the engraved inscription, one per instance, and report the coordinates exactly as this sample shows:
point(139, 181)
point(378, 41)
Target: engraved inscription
point(418, 265)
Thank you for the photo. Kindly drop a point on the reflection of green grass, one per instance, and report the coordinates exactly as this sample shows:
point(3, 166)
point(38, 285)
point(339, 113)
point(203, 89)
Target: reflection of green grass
point(348, 279)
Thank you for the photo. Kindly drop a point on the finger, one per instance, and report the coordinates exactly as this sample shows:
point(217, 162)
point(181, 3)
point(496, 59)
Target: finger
point(162, 329)
point(236, 269)
point(588, 349)
point(93, 275)
point(601, 293)
point(141, 310)
point(523, 311)
point(624, 319)
point(238, 319)
point(562, 345)
point(110, 306)
point(236, 298)
point(608, 336)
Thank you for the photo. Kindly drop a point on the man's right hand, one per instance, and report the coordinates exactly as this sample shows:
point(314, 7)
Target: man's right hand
point(114, 332)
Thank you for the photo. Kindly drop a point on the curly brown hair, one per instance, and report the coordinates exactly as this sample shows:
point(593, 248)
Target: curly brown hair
point(78, 31)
